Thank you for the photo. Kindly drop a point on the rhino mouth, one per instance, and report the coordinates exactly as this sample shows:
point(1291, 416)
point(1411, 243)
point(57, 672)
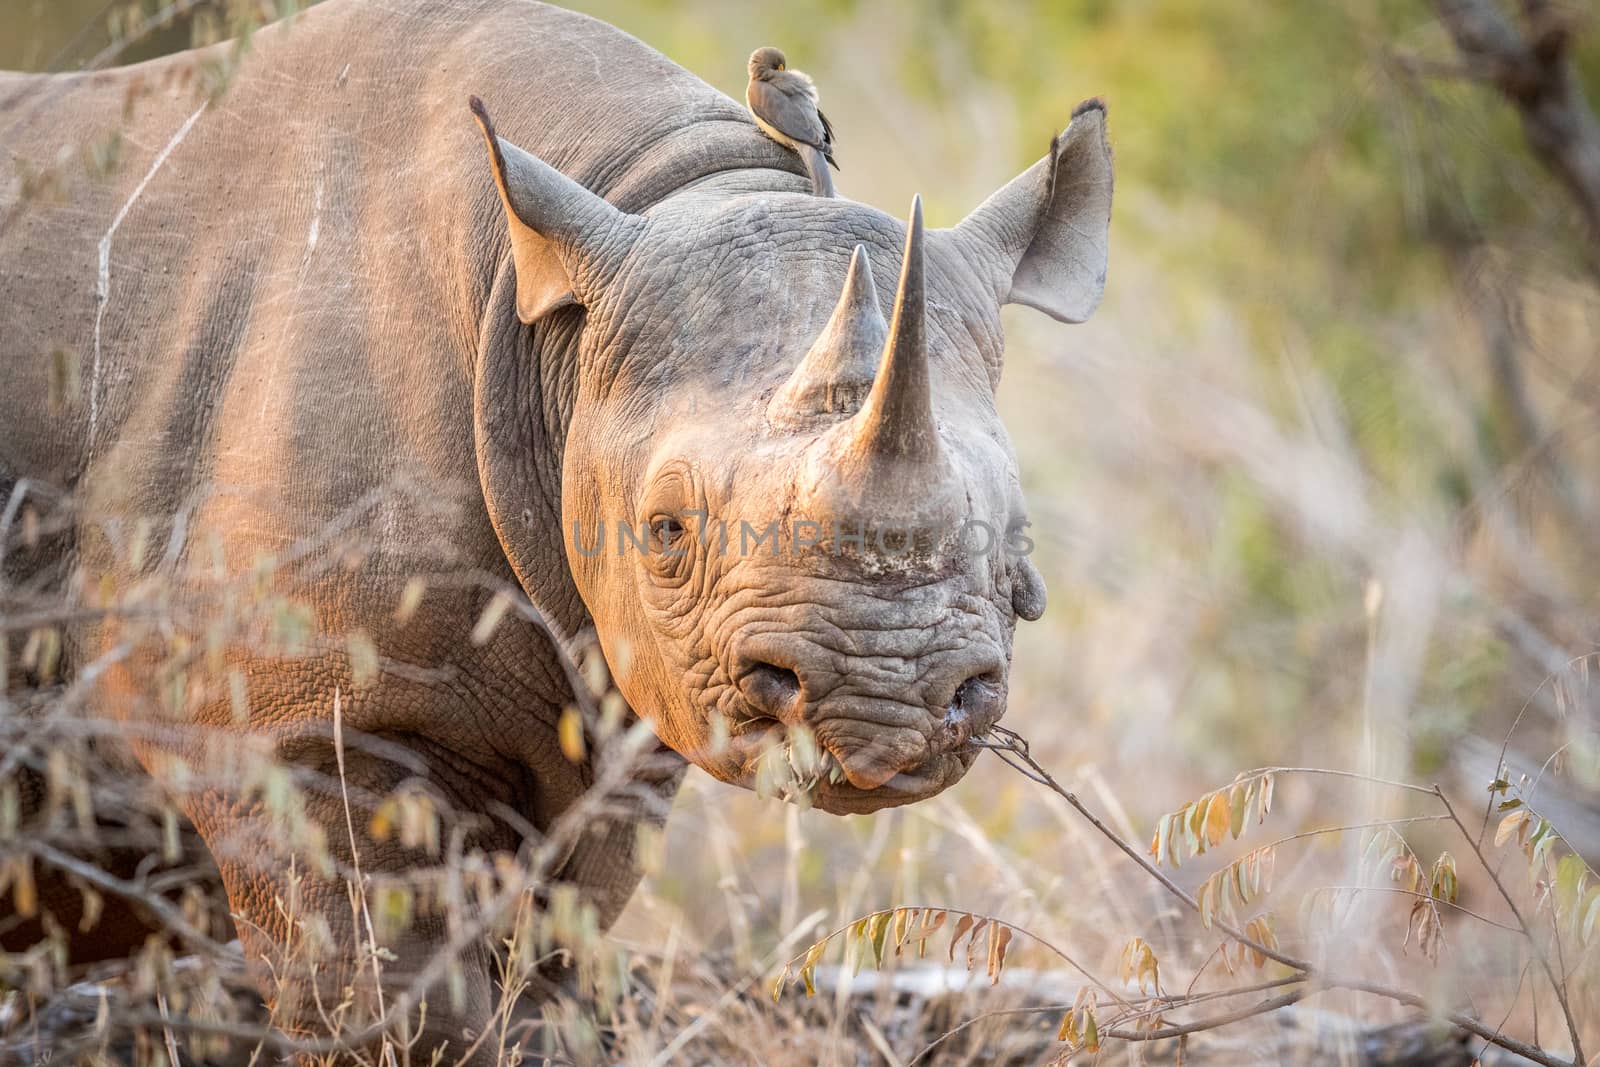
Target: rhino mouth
point(859, 764)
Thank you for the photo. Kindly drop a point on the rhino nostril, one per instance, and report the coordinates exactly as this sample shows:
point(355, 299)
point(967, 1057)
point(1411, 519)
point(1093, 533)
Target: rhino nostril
point(771, 690)
point(976, 698)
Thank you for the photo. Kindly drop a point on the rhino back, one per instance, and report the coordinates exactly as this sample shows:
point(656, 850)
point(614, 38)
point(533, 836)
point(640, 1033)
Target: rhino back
point(278, 292)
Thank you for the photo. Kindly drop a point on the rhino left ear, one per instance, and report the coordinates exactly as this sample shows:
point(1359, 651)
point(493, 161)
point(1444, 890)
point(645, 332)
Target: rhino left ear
point(562, 235)
point(1046, 231)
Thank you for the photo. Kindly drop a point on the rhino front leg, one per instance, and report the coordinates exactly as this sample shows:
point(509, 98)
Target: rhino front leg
point(291, 887)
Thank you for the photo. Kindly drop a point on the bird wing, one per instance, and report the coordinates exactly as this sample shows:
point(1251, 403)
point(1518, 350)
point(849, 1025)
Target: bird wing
point(793, 115)
point(827, 139)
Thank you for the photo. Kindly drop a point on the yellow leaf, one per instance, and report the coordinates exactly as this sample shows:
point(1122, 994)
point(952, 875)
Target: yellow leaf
point(1139, 963)
point(902, 921)
point(571, 734)
point(1511, 825)
point(383, 819)
point(972, 942)
point(1000, 953)
point(24, 895)
point(1152, 966)
point(777, 987)
point(1206, 898)
point(962, 926)
point(410, 600)
point(1218, 818)
point(1174, 837)
point(1069, 1028)
point(93, 905)
point(1253, 931)
point(363, 658)
point(490, 619)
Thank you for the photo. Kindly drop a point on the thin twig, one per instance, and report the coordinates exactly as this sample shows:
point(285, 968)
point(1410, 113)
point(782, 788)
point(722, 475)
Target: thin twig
point(1412, 893)
point(1544, 961)
point(359, 882)
point(1360, 985)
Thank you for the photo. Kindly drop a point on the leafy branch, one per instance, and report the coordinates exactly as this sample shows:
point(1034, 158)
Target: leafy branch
point(1221, 901)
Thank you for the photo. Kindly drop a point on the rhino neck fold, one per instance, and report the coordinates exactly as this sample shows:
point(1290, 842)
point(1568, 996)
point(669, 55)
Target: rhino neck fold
point(524, 382)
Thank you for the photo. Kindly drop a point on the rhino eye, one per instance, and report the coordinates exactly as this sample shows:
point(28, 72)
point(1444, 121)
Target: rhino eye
point(667, 534)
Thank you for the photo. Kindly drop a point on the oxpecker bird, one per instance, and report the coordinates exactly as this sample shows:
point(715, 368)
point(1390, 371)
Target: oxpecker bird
point(784, 104)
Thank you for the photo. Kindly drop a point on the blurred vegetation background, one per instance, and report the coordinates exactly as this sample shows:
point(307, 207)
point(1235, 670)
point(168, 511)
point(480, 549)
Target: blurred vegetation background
point(1315, 486)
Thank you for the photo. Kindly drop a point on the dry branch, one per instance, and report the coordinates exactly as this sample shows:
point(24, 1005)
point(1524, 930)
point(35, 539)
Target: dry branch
point(1531, 70)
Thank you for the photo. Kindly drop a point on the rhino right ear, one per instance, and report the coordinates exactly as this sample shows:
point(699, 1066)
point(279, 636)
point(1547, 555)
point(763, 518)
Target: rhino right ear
point(1045, 233)
point(562, 235)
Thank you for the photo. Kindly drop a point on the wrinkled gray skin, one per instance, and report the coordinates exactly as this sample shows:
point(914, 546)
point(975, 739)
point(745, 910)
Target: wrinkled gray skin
point(322, 283)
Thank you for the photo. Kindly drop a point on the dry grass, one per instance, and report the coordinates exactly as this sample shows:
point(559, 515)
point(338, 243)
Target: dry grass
point(1238, 579)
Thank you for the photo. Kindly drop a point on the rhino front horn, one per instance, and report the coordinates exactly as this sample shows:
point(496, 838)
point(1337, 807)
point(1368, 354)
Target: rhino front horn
point(896, 422)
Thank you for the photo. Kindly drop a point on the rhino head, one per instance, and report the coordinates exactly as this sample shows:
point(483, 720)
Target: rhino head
point(787, 498)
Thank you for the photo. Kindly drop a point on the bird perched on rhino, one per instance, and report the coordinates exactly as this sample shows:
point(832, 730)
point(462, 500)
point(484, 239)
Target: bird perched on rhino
point(784, 104)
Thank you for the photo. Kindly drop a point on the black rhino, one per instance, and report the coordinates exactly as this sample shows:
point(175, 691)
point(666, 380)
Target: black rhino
point(624, 318)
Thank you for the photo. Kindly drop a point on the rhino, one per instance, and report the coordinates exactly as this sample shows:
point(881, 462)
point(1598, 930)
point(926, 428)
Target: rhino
point(604, 334)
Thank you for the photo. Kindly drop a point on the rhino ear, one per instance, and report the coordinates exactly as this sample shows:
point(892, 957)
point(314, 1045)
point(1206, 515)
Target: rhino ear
point(562, 235)
point(1046, 231)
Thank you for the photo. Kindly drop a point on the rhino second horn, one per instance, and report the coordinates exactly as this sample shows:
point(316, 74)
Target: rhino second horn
point(837, 373)
point(897, 420)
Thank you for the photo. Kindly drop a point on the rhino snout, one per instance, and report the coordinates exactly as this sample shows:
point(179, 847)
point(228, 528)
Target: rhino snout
point(879, 720)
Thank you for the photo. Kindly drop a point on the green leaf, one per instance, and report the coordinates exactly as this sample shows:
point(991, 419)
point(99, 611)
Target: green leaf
point(1569, 872)
point(1442, 884)
point(855, 941)
point(1509, 805)
point(1544, 838)
point(879, 931)
point(1194, 829)
point(1158, 847)
point(1591, 915)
